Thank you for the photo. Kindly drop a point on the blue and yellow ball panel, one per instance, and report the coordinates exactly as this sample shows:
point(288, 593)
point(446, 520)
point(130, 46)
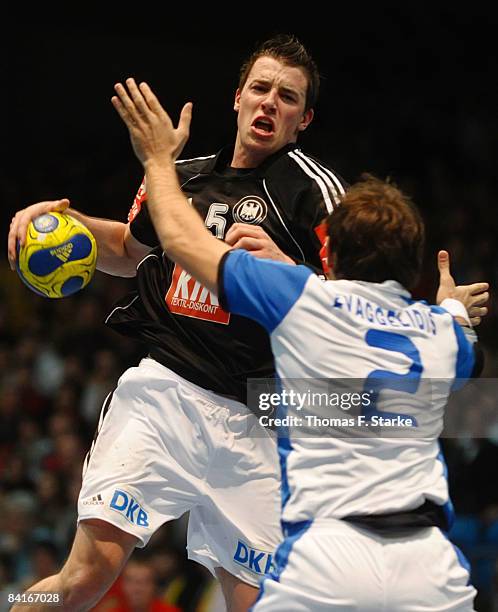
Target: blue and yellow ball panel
point(47, 260)
point(59, 256)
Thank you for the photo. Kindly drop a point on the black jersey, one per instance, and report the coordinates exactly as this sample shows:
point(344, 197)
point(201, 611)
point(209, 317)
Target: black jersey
point(182, 322)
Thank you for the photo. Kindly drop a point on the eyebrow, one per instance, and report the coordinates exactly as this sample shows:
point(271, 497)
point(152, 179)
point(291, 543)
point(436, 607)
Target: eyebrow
point(284, 88)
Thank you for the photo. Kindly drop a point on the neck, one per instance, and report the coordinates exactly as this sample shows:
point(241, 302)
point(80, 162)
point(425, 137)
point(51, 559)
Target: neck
point(244, 158)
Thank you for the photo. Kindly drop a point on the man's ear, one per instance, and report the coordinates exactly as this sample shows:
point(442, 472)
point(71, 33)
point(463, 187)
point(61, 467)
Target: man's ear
point(236, 104)
point(306, 120)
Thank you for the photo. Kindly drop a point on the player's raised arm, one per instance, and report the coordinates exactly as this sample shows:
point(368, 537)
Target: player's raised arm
point(155, 141)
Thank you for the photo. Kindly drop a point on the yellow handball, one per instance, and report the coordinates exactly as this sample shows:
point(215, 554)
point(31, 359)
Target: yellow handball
point(58, 257)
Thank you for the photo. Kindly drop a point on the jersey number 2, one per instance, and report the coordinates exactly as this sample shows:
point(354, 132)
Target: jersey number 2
point(384, 379)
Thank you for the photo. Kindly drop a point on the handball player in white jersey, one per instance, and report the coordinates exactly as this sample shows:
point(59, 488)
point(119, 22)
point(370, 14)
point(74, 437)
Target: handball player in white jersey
point(364, 518)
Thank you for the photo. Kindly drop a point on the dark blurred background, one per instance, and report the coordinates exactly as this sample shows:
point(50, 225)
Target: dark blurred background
point(408, 92)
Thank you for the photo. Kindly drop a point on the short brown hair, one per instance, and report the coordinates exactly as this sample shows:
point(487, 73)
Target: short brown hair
point(376, 234)
point(287, 49)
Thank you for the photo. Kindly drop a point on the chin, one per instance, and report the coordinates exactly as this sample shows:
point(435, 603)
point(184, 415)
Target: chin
point(263, 146)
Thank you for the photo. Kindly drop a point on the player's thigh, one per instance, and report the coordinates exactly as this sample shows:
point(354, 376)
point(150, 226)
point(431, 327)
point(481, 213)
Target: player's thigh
point(323, 567)
point(148, 415)
point(237, 527)
point(425, 571)
point(146, 462)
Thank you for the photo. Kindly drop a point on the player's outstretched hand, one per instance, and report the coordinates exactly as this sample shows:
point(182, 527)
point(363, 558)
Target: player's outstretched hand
point(473, 297)
point(152, 133)
point(21, 220)
point(254, 239)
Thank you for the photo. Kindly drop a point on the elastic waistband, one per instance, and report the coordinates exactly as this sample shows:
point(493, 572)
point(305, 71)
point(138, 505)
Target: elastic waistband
point(341, 527)
point(425, 516)
point(428, 514)
point(211, 396)
point(327, 524)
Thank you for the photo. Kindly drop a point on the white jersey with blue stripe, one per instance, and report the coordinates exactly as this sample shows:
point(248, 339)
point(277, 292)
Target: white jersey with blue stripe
point(348, 329)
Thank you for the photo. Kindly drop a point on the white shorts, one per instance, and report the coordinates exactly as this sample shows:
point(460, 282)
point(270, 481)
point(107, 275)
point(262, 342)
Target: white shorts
point(165, 447)
point(332, 565)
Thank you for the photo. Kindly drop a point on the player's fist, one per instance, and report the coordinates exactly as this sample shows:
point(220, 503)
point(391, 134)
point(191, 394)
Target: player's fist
point(254, 239)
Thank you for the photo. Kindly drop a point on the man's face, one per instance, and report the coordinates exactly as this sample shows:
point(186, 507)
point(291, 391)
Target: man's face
point(270, 109)
point(138, 585)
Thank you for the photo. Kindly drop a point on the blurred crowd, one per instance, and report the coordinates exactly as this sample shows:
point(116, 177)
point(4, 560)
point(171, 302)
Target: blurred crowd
point(57, 364)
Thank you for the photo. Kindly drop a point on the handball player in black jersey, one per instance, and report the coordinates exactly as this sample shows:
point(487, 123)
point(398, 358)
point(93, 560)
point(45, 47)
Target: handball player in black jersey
point(176, 435)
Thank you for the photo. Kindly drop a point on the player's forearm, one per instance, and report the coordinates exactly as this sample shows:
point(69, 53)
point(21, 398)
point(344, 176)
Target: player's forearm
point(112, 257)
point(180, 229)
point(177, 224)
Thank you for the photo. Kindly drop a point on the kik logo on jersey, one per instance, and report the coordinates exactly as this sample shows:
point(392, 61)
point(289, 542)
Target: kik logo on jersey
point(187, 297)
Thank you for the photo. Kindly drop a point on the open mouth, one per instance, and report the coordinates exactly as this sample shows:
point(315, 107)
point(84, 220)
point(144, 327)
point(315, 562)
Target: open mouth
point(263, 125)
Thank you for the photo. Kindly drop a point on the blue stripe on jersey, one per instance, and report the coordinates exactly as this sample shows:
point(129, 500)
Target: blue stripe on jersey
point(462, 559)
point(261, 289)
point(292, 532)
point(448, 509)
point(465, 357)
point(284, 448)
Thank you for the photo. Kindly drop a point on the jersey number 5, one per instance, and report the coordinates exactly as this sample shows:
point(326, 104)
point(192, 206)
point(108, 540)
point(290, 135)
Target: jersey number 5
point(215, 218)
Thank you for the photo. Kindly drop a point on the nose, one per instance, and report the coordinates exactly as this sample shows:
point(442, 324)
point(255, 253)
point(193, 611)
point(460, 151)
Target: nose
point(269, 104)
